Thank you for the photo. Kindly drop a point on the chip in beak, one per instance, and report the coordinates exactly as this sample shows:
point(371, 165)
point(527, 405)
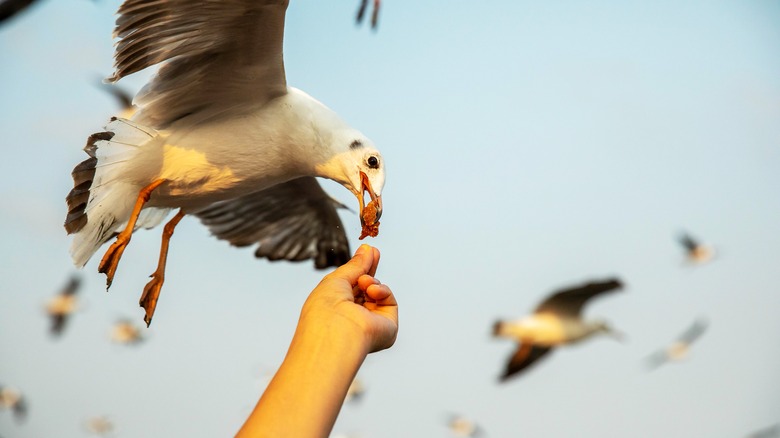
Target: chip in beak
point(371, 212)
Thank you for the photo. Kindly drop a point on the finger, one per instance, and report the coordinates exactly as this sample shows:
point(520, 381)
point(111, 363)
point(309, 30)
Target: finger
point(375, 253)
point(381, 295)
point(364, 281)
point(359, 265)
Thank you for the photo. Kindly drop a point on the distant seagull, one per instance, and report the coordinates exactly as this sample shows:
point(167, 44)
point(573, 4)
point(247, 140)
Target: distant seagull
point(63, 305)
point(219, 135)
point(355, 391)
point(680, 348)
point(767, 432)
point(126, 332)
point(374, 16)
point(696, 252)
point(101, 426)
point(122, 97)
point(556, 321)
point(12, 399)
point(9, 8)
point(463, 427)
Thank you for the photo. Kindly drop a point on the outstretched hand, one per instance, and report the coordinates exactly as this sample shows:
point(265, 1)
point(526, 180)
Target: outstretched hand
point(352, 296)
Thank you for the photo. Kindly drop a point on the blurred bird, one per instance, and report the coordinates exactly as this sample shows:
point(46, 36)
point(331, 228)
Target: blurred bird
point(101, 426)
point(696, 252)
point(9, 8)
point(12, 399)
point(355, 391)
point(122, 97)
point(680, 348)
point(463, 427)
point(556, 321)
point(218, 134)
point(767, 432)
point(374, 15)
point(125, 332)
point(63, 305)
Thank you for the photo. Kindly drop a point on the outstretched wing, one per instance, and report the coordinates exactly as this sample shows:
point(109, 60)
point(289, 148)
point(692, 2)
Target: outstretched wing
point(295, 221)
point(569, 302)
point(694, 331)
point(223, 57)
point(526, 355)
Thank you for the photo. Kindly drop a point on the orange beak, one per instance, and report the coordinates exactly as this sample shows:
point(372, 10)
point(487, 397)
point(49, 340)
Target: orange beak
point(371, 212)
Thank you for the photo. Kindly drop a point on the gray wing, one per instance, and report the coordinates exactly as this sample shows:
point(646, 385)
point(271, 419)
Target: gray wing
point(526, 355)
point(570, 301)
point(223, 57)
point(694, 332)
point(295, 221)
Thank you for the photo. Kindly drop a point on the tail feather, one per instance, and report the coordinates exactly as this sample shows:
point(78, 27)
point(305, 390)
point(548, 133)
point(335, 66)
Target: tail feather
point(100, 202)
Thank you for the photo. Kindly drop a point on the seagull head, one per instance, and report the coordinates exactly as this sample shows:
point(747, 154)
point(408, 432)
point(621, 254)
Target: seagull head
point(359, 167)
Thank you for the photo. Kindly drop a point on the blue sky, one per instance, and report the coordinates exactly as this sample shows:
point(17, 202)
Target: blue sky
point(529, 146)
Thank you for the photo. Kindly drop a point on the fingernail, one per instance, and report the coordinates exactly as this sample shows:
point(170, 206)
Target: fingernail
point(362, 249)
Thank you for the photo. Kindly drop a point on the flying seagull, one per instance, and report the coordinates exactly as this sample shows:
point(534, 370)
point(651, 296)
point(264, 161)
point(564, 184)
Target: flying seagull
point(696, 252)
point(100, 426)
point(12, 399)
point(218, 134)
point(463, 427)
point(126, 332)
point(61, 306)
point(355, 391)
point(679, 349)
point(122, 97)
point(556, 321)
point(374, 15)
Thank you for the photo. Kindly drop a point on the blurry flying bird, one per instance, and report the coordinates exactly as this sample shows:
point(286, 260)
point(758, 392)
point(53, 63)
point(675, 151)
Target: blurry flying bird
point(13, 400)
point(218, 134)
point(355, 391)
point(122, 97)
point(556, 321)
point(126, 332)
point(101, 426)
point(62, 305)
point(680, 348)
point(767, 432)
point(374, 15)
point(9, 8)
point(696, 252)
point(463, 427)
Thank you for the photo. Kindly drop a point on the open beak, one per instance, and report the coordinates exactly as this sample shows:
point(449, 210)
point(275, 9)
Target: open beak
point(371, 212)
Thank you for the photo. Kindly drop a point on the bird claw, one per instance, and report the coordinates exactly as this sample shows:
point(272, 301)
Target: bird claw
point(110, 260)
point(149, 298)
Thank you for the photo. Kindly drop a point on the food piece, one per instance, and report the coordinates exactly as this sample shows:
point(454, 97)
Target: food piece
point(369, 220)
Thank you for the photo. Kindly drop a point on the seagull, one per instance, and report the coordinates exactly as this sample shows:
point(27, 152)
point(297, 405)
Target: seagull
point(374, 15)
point(556, 321)
point(9, 8)
point(125, 332)
point(219, 135)
point(463, 427)
point(12, 399)
point(767, 432)
point(680, 348)
point(100, 426)
point(122, 97)
point(62, 305)
point(355, 391)
point(696, 252)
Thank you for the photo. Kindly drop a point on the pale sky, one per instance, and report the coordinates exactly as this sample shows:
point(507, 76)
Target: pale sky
point(530, 146)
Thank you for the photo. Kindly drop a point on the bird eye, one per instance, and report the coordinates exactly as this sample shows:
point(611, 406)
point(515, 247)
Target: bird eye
point(373, 162)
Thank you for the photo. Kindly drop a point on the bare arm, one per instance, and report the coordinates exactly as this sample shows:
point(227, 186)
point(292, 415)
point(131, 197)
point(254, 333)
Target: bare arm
point(333, 337)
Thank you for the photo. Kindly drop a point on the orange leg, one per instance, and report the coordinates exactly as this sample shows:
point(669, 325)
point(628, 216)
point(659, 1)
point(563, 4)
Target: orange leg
point(111, 259)
point(152, 289)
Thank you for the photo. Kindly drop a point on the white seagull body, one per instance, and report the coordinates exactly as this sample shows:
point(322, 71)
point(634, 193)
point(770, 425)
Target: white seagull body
point(556, 321)
point(220, 135)
point(680, 348)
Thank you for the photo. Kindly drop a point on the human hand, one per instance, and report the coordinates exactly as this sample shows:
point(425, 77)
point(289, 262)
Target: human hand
point(350, 298)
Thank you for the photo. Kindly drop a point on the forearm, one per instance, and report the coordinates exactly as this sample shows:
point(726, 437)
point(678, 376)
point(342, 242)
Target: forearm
point(307, 392)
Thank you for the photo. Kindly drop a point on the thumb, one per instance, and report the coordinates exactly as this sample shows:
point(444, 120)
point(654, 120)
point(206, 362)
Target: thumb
point(360, 264)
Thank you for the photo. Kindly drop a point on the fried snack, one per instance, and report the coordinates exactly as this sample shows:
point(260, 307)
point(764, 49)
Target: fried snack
point(369, 220)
